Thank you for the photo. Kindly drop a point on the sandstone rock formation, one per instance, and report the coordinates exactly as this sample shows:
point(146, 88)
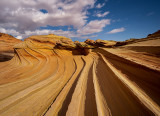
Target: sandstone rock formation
point(153, 36)
point(105, 43)
point(53, 42)
point(49, 76)
point(50, 41)
point(7, 42)
point(156, 34)
point(90, 42)
point(6, 46)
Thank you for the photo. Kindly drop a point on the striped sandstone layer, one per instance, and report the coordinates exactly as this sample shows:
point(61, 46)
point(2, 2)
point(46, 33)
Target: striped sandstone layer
point(46, 78)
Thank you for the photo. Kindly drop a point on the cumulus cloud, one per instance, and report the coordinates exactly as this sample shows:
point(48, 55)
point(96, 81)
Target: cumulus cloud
point(45, 32)
point(94, 26)
point(117, 30)
point(26, 14)
point(23, 18)
point(9, 31)
point(38, 32)
point(19, 37)
point(102, 14)
point(100, 5)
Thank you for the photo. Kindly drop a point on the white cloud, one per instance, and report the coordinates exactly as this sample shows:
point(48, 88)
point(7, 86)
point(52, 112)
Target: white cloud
point(38, 32)
point(19, 37)
point(23, 18)
point(102, 14)
point(91, 28)
point(100, 5)
point(117, 30)
point(94, 26)
point(46, 32)
point(24, 15)
point(9, 31)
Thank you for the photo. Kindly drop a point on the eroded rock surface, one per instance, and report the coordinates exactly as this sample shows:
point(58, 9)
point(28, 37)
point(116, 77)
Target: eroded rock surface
point(50, 75)
point(6, 46)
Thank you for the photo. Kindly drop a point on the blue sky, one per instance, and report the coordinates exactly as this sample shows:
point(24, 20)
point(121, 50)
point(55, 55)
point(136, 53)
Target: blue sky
point(138, 17)
point(77, 19)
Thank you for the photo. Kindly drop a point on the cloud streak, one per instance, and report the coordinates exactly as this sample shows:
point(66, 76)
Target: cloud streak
point(117, 30)
point(100, 5)
point(102, 14)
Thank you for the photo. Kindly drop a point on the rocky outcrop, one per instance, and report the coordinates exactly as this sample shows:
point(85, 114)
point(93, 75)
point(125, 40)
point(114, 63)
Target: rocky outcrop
point(90, 42)
point(7, 42)
point(105, 43)
point(50, 75)
point(53, 42)
point(156, 34)
point(6, 46)
point(153, 36)
point(50, 41)
point(100, 43)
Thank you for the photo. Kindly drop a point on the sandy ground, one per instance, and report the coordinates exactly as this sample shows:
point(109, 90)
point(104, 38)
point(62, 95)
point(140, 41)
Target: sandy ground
point(55, 82)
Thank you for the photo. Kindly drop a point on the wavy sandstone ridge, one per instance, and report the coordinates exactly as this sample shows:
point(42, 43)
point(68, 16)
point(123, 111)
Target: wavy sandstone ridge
point(6, 46)
point(55, 76)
